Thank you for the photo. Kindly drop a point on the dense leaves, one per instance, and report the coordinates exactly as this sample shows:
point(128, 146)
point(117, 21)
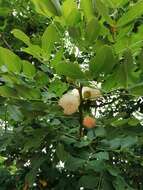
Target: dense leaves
point(87, 54)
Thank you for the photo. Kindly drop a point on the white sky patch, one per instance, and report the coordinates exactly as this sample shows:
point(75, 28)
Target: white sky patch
point(60, 165)
point(14, 12)
point(27, 163)
point(138, 116)
point(44, 150)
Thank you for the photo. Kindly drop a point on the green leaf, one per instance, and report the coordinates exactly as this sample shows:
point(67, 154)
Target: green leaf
point(49, 37)
point(36, 51)
point(68, 6)
point(128, 142)
point(74, 18)
point(7, 92)
point(136, 40)
point(96, 165)
point(82, 143)
point(34, 141)
point(75, 33)
point(103, 62)
point(124, 41)
point(100, 132)
point(46, 96)
point(87, 7)
point(48, 7)
point(74, 163)
point(31, 175)
point(114, 171)
point(119, 183)
point(102, 155)
point(61, 153)
point(10, 78)
point(71, 70)
point(88, 182)
point(92, 30)
point(41, 78)
point(107, 182)
point(115, 3)
point(28, 93)
point(58, 87)
point(91, 134)
point(103, 10)
point(133, 12)
point(21, 36)
point(10, 60)
point(56, 122)
point(115, 143)
point(57, 59)
point(70, 13)
point(28, 69)
point(124, 75)
point(133, 122)
point(14, 113)
point(116, 80)
point(123, 142)
point(57, 6)
point(4, 11)
point(127, 68)
point(3, 25)
point(122, 44)
point(140, 60)
point(136, 90)
point(119, 122)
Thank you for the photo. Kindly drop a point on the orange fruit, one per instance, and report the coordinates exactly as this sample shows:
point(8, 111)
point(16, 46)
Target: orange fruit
point(89, 122)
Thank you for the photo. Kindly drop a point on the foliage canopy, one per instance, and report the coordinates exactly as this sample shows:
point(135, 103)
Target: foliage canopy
point(47, 49)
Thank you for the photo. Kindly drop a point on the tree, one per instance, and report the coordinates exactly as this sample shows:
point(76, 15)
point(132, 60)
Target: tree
point(71, 94)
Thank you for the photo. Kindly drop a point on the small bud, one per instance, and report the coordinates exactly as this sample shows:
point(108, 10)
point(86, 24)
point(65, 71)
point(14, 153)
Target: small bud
point(43, 183)
point(91, 93)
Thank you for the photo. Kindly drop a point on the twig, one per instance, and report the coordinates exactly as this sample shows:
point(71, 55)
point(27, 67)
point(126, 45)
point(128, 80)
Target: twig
point(6, 125)
point(70, 136)
point(6, 43)
point(100, 181)
point(80, 112)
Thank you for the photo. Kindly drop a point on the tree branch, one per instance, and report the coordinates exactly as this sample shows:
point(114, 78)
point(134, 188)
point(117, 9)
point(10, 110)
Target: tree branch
point(80, 112)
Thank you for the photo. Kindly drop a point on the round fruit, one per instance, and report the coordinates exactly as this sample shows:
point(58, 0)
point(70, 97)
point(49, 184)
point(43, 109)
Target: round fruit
point(89, 122)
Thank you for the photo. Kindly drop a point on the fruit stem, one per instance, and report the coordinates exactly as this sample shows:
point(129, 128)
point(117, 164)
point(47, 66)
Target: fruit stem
point(80, 112)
